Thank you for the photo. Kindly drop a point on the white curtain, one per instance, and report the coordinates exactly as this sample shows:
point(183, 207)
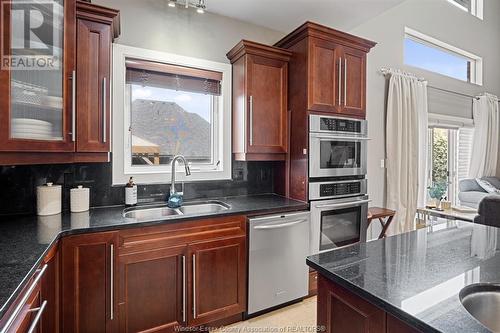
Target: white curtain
point(406, 146)
point(485, 144)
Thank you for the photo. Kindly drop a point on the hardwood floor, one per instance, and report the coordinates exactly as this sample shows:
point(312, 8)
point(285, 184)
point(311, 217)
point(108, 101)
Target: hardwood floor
point(298, 318)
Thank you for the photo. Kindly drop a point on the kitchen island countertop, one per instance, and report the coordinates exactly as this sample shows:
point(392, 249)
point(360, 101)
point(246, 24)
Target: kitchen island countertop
point(417, 276)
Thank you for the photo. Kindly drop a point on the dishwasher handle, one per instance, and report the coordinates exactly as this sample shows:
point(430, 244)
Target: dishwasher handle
point(280, 225)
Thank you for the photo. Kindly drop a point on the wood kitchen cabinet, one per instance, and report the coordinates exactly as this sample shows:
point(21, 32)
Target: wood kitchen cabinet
point(37, 306)
point(50, 291)
point(59, 114)
point(325, 88)
point(35, 102)
point(327, 75)
point(338, 79)
point(340, 310)
point(89, 283)
point(153, 290)
point(330, 66)
point(218, 279)
point(182, 274)
point(94, 35)
point(260, 101)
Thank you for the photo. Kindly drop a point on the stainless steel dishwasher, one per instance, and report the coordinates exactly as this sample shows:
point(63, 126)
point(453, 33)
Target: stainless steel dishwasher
point(279, 245)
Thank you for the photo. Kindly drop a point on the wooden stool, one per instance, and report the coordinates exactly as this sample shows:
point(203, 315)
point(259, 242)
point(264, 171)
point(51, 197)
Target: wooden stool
point(384, 216)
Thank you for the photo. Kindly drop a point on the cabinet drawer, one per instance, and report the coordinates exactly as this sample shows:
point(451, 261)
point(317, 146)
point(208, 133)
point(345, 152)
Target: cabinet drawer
point(178, 233)
point(26, 312)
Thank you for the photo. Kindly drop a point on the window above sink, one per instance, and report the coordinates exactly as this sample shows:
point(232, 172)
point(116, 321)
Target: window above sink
point(165, 105)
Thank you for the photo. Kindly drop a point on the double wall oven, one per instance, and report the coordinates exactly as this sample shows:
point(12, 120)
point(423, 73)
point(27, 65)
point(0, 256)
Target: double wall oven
point(337, 184)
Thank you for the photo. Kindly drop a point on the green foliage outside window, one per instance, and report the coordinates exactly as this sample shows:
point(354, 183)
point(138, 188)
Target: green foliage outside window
point(439, 186)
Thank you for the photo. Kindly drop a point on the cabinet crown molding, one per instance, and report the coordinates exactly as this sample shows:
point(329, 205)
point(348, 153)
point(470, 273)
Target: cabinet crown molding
point(101, 14)
point(311, 29)
point(249, 47)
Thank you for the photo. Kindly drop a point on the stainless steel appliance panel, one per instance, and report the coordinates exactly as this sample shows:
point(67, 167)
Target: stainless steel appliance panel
point(338, 125)
point(337, 189)
point(337, 223)
point(336, 156)
point(278, 249)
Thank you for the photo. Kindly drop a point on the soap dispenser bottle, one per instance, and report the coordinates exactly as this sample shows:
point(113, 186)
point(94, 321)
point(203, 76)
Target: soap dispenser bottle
point(130, 193)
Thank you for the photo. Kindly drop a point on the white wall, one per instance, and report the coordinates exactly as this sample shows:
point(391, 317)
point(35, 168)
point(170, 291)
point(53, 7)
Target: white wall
point(436, 18)
point(151, 24)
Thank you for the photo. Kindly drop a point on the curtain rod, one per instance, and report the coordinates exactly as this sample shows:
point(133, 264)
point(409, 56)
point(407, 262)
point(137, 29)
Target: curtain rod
point(386, 70)
point(452, 92)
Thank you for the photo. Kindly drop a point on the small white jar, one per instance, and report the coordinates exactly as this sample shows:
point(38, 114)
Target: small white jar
point(48, 199)
point(79, 199)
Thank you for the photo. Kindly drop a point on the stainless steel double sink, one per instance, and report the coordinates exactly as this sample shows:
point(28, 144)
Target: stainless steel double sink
point(482, 301)
point(161, 212)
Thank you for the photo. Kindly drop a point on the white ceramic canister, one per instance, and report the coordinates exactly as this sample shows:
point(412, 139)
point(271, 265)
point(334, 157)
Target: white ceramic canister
point(79, 199)
point(48, 199)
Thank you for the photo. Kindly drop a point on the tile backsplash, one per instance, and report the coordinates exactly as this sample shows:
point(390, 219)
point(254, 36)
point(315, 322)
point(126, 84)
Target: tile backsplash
point(18, 194)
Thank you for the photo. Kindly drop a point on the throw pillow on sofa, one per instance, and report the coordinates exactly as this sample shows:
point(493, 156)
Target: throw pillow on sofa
point(487, 186)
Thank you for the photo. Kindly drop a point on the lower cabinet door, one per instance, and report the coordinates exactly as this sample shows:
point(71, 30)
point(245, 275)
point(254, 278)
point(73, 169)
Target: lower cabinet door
point(340, 311)
point(89, 283)
point(217, 280)
point(153, 290)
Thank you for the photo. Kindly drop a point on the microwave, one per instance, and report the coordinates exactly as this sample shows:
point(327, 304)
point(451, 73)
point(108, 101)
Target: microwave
point(337, 147)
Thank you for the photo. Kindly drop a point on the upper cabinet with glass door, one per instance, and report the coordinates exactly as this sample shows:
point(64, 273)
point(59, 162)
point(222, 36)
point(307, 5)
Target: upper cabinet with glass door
point(36, 75)
point(54, 81)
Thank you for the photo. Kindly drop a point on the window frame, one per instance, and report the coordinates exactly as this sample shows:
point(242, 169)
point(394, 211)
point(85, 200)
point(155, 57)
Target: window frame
point(476, 62)
point(453, 125)
point(477, 8)
point(122, 168)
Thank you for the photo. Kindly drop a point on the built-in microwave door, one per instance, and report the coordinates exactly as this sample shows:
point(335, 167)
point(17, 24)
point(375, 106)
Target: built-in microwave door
point(333, 156)
point(338, 223)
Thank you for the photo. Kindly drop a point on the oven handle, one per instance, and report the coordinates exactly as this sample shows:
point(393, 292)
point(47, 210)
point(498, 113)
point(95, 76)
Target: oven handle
point(329, 138)
point(347, 204)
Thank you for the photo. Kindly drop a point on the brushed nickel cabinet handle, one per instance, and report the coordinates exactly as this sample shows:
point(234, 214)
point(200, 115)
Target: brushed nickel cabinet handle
point(250, 102)
point(104, 109)
point(345, 81)
point(23, 301)
point(112, 282)
point(73, 107)
point(340, 81)
point(194, 286)
point(184, 277)
point(39, 312)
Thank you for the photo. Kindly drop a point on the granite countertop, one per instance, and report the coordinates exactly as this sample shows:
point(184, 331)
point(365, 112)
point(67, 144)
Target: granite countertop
point(24, 240)
point(417, 276)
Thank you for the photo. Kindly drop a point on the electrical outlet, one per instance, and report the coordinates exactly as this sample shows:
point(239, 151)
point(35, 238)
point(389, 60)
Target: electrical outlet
point(382, 163)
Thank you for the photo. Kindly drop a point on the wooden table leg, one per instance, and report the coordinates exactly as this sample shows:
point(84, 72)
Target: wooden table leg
point(385, 225)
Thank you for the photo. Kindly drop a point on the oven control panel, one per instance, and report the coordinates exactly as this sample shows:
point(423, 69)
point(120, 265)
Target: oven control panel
point(340, 125)
point(339, 189)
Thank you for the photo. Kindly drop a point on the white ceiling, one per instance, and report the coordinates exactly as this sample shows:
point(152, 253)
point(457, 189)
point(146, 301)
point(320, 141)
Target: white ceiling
point(285, 15)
